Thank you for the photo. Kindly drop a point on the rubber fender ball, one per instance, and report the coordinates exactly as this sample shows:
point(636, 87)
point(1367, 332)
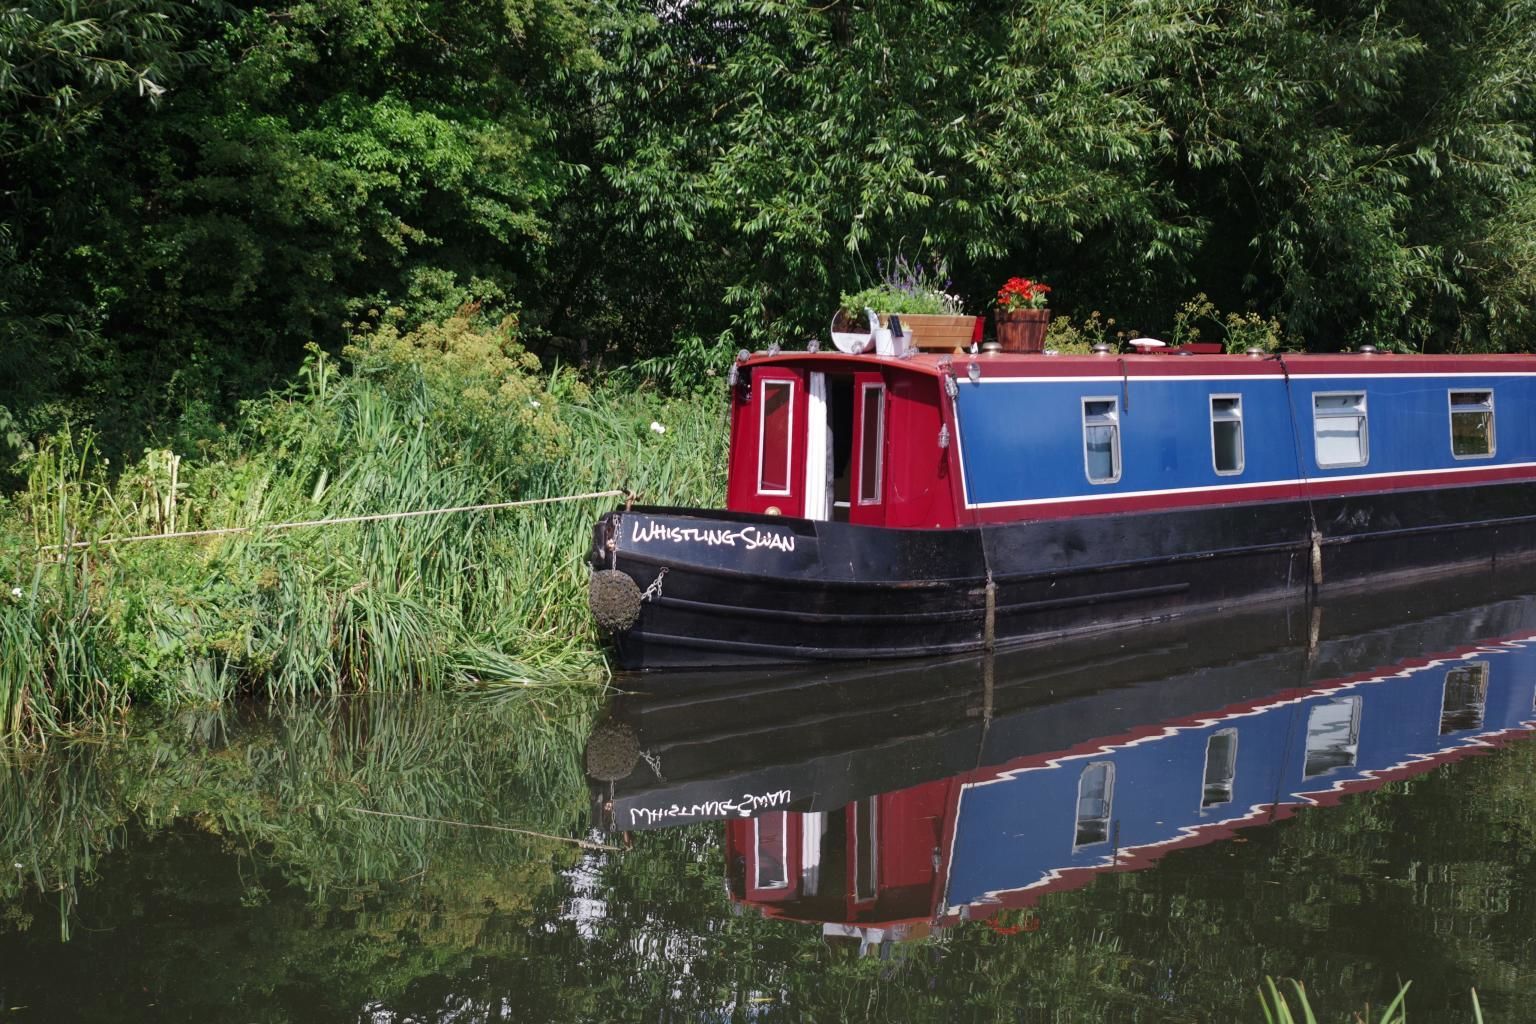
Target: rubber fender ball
point(614, 599)
point(612, 752)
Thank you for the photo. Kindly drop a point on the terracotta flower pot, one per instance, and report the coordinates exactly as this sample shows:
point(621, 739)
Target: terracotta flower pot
point(1023, 330)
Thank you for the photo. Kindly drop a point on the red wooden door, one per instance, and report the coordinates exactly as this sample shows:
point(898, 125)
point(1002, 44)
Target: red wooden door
point(773, 847)
point(768, 445)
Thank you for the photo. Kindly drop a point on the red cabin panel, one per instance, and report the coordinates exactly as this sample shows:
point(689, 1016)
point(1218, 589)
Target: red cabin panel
point(770, 848)
point(912, 830)
point(768, 440)
point(879, 429)
point(919, 488)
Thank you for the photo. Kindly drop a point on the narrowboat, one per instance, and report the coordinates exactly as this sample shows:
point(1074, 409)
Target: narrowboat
point(886, 507)
point(905, 810)
point(901, 862)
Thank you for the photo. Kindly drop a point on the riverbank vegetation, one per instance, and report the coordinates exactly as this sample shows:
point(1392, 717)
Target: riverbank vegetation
point(499, 207)
point(445, 416)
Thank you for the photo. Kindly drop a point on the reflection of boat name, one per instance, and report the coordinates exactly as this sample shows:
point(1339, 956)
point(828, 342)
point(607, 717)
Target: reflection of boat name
point(743, 805)
point(749, 537)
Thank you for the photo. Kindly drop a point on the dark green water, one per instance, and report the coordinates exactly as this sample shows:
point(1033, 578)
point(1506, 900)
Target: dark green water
point(220, 867)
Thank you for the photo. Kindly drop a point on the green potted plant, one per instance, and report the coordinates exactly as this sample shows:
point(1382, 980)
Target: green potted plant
point(930, 313)
point(1022, 315)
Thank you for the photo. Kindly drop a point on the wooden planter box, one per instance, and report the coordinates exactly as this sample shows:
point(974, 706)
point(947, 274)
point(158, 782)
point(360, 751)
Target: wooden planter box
point(934, 331)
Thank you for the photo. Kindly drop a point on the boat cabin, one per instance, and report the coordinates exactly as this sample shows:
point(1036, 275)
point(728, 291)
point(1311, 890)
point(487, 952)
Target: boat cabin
point(840, 438)
point(933, 441)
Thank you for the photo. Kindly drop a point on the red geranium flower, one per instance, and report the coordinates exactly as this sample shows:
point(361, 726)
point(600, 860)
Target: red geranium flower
point(1022, 293)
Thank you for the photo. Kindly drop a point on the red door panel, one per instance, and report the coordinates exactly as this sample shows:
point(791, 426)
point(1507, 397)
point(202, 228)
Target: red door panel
point(768, 444)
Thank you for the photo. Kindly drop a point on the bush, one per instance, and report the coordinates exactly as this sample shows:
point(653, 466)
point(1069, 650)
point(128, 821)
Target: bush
point(444, 416)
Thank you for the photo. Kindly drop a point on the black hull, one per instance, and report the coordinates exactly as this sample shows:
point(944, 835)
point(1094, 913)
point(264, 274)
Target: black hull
point(825, 738)
point(740, 589)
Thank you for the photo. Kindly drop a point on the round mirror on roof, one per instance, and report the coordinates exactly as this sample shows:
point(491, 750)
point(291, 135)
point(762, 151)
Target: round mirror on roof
point(851, 336)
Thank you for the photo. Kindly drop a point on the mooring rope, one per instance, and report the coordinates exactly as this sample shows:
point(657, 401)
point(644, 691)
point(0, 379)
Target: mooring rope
point(376, 518)
point(585, 844)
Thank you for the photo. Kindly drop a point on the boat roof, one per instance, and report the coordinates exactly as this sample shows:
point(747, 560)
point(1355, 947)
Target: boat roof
point(1163, 364)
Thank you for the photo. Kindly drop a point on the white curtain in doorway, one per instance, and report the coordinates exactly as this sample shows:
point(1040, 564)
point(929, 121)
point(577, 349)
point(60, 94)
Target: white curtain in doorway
point(818, 452)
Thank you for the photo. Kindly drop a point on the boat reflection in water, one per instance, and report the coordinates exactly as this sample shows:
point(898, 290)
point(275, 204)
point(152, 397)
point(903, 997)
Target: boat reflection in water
point(887, 803)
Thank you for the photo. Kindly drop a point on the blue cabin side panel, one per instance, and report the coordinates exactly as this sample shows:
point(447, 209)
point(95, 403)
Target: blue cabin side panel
point(1022, 440)
point(1019, 831)
point(1409, 421)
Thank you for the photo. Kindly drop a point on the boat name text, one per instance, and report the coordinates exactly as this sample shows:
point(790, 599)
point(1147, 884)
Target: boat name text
point(749, 537)
point(742, 806)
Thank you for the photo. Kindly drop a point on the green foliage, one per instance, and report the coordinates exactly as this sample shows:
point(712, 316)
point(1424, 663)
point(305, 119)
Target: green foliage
point(60, 63)
point(1126, 151)
point(198, 191)
point(443, 416)
point(905, 286)
point(306, 164)
point(1277, 1009)
point(1197, 320)
point(691, 366)
point(883, 299)
point(1078, 338)
point(1237, 332)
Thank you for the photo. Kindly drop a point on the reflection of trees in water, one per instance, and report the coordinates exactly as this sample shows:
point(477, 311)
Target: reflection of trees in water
point(227, 874)
point(276, 786)
point(1429, 879)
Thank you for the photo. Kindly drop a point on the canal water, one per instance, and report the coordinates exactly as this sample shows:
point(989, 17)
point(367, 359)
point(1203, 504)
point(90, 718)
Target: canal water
point(1137, 827)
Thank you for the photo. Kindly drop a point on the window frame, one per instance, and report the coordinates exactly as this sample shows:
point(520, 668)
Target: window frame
point(757, 853)
point(789, 436)
point(1115, 452)
point(864, 389)
point(1242, 443)
point(1108, 819)
point(1362, 413)
point(1493, 437)
point(1352, 742)
point(1478, 672)
point(1230, 782)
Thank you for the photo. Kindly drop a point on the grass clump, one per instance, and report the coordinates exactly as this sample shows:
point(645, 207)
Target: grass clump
point(1278, 1010)
point(447, 415)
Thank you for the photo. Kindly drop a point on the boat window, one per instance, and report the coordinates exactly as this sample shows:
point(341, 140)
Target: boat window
point(866, 848)
point(1101, 439)
point(872, 441)
point(1220, 768)
point(1227, 433)
point(1095, 803)
point(776, 428)
point(1339, 429)
point(1466, 698)
point(1333, 735)
point(770, 833)
point(1471, 424)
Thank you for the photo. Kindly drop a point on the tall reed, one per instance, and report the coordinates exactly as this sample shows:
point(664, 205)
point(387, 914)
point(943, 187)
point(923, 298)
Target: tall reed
point(447, 416)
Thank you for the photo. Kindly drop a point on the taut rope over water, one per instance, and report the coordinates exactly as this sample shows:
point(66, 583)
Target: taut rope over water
point(376, 518)
point(585, 844)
